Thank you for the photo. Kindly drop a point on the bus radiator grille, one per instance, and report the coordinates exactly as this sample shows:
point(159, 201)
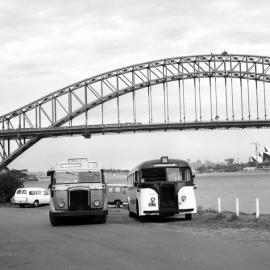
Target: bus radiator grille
point(168, 199)
point(78, 200)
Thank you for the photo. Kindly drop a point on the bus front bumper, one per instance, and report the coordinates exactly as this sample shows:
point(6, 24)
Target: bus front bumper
point(79, 213)
point(169, 212)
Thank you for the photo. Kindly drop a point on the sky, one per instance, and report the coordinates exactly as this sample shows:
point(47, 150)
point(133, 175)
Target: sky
point(46, 45)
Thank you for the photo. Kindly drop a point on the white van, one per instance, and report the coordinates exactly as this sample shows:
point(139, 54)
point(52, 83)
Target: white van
point(31, 196)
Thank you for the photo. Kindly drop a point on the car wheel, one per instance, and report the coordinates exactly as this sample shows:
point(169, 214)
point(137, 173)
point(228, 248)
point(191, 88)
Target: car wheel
point(36, 203)
point(188, 216)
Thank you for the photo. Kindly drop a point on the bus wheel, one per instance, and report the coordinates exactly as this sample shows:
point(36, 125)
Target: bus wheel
point(36, 203)
point(137, 208)
point(22, 205)
point(188, 216)
point(140, 218)
point(131, 214)
point(54, 220)
point(117, 204)
point(102, 219)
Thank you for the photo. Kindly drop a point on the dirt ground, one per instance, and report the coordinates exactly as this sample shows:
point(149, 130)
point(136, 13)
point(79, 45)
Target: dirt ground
point(209, 241)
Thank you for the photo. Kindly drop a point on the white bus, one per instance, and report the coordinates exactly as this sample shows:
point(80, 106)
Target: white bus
point(161, 187)
point(77, 189)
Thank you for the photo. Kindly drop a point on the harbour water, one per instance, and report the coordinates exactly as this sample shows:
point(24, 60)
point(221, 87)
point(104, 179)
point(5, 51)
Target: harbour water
point(247, 186)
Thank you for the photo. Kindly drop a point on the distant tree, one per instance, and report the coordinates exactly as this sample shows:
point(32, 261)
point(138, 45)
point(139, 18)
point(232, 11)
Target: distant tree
point(229, 161)
point(9, 182)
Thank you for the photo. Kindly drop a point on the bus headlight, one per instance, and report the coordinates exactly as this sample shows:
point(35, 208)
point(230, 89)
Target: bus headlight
point(183, 198)
point(61, 204)
point(152, 201)
point(96, 203)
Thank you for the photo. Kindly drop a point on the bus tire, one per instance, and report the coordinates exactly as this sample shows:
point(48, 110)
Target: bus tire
point(102, 219)
point(140, 218)
point(36, 203)
point(54, 220)
point(131, 214)
point(188, 216)
point(137, 208)
point(117, 204)
point(22, 205)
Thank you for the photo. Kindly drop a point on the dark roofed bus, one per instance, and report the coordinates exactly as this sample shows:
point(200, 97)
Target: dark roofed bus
point(161, 187)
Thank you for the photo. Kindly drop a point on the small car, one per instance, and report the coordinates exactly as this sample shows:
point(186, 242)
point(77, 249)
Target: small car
point(31, 196)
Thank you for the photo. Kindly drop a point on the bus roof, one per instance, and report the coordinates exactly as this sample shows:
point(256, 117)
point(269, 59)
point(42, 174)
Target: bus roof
point(162, 162)
point(77, 164)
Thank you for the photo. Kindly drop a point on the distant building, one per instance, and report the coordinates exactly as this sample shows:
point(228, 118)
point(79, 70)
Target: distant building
point(262, 158)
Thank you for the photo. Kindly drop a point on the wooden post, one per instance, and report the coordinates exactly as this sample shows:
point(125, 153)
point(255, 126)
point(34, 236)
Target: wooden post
point(219, 205)
point(257, 208)
point(237, 206)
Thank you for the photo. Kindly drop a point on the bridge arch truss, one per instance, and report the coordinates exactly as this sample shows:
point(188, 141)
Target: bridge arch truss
point(202, 85)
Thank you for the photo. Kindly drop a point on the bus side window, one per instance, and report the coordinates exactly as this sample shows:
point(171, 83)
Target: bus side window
point(130, 182)
point(187, 175)
point(135, 179)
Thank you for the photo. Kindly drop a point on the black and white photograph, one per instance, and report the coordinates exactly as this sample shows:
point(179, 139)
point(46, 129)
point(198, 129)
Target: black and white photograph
point(134, 135)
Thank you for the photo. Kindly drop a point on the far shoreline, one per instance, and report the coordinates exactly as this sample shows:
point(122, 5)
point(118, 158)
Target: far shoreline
point(215, 173)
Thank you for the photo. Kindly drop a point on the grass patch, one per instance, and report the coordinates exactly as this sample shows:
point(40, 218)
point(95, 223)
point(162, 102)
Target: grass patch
point(233, 217)
point(211, 219)
point(220, 216)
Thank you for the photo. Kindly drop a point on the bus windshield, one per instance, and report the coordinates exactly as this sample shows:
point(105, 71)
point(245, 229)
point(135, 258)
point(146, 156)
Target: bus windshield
point(77, 177)
point(166, 174)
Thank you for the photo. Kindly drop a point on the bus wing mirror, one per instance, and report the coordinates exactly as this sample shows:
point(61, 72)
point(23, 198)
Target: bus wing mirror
point(49, 173)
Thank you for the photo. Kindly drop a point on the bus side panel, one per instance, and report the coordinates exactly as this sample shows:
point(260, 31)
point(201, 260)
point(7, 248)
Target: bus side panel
point(132, 197)
point(148, 201)
point(187, 199)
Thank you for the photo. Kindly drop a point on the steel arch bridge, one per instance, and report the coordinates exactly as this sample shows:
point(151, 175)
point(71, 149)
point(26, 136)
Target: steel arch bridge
point(206, 92)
